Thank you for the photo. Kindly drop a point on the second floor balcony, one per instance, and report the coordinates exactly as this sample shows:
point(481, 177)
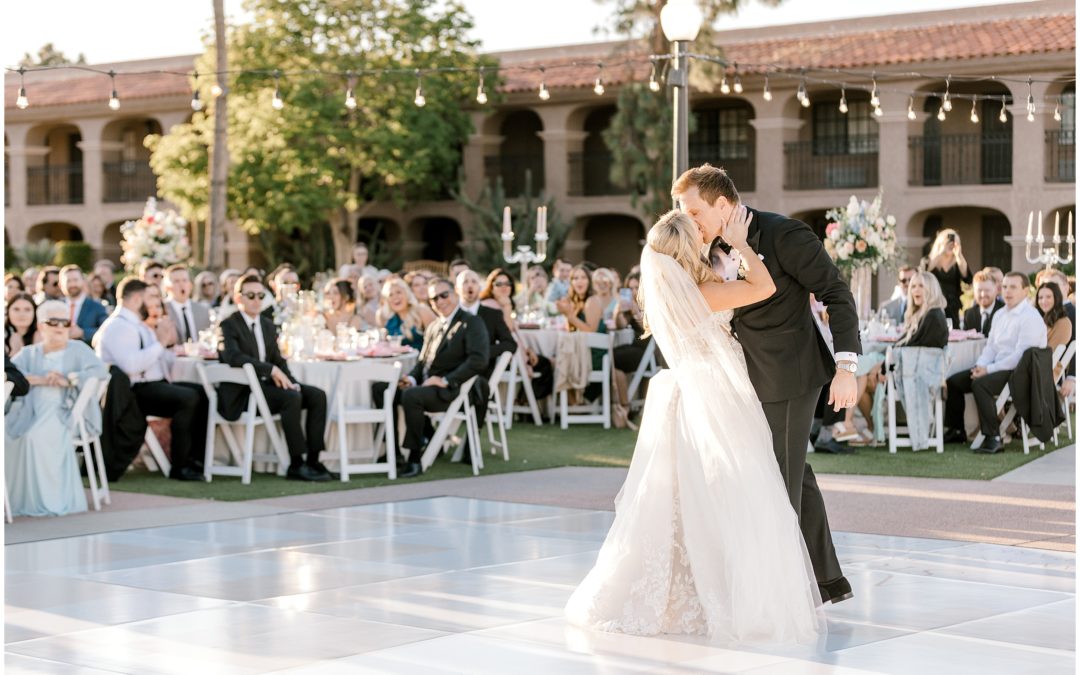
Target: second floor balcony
point(1061, 156)
point(810, 165)
point(520, 174)
point(960, 159)
point(54, 184)
point(590, 175)
point(128, 182)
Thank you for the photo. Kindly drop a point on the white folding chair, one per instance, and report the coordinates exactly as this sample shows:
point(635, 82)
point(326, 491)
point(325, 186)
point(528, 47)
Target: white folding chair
point(1063, 360)
point(646, 369)
point(376, 414)
point(85, 442)
point(153, 455)
point(448, 422)
point(899, 436)
point(257, 414)
point(495, 409)
point(519, 372)
point(588, 413)
point(1003, 399)
point(8, 386)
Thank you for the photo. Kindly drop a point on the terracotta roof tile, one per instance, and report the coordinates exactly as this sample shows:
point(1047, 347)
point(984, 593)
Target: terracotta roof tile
point(84, 87)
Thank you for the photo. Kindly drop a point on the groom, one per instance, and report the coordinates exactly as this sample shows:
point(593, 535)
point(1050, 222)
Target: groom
point(786, 356)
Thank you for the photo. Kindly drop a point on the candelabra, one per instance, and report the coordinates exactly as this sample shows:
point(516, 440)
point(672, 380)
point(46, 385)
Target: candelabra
point(1049, 256)
point(525, 255)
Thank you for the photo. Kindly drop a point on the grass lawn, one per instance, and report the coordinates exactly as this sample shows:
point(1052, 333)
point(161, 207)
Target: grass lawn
point(546, 447)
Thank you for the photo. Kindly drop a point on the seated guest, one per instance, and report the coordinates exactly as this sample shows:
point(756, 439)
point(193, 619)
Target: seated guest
point(368, 294)
point(20, 324)
point(1017, 328)
point(560, 280)
point(250, 337)
point(48, 285)
point(360, 260)
point(132, 346)
point(282, 281)
point(455, 349)
point(1051, 307)
point(20, 387)
point(107, 271)
point(206, 289)
point(534, 296)
point(189, 317)
point(14, 285)
point(980, 315)
point(29, 279)
point(98, 291)
point(400, 314)
point(157, 320)
point(417, 282)
point(584, 312)
point(896, 307)
point(227, 281)
point(457, 266)
point(340, 295)
point(494, 305)
point(627, 358)
point(152, 273)
point(85, 316)
point(605, 283)
point(1058, 277)
point(42, 472)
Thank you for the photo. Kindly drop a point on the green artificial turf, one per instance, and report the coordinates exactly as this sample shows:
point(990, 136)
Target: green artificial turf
point(549, 446)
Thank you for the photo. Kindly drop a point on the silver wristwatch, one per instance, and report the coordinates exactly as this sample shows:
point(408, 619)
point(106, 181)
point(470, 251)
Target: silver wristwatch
point(849, 366)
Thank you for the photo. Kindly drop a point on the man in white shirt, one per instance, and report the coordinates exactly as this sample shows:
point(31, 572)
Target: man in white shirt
point(1017, 328)
point(127, 343)
point(189, 317)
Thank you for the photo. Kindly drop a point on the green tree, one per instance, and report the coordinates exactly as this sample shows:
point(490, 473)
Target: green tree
point(314, 160)
point(49, 55)
point(640, 133)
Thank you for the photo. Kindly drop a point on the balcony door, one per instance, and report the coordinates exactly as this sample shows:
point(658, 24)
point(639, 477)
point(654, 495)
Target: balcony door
point(996, 145)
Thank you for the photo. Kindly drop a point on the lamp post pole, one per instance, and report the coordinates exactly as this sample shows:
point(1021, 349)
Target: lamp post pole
point(678, 79)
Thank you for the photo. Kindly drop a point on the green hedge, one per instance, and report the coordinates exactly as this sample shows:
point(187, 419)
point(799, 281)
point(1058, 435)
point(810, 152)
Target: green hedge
point(74, 253)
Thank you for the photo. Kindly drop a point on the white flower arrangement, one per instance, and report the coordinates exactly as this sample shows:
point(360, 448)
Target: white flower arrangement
point(861, 236)
point(158, 235)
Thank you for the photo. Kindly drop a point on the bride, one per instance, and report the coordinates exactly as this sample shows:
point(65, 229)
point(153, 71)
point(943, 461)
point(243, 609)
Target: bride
point(704, 540)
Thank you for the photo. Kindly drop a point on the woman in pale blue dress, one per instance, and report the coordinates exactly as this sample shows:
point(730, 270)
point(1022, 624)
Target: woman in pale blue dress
point(42, 473)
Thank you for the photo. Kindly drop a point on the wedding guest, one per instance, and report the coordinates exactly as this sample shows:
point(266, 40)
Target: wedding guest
point(105, 269)
point(132, 346)
point(1051, 307)
point(1016, 328)
point(190, 317)
point(997, 276)
point(946, 262)
point(494, 304)
point(29, 278)
point(1058, 277)
point(351, 273)
point(250, 338)
point(98, 291)
point(48, 285)
point(14, 285)
point(417, 281)
point(152, 272)
point(360, 256)
point(896, 307)
point(206, 288)
point(627, 358)
point(368, 303)
point(455, 349)
point(41, 471)
point(340, 297)
point(156, 318)
point(457, 266)
point(560, 280)
point(400, 314)
point(533, 297)
point(285, 279)
point(227, 281)
point(20, 324)
point(604, 285)
point(980, 316)
point(85, 317)
point(584, 312)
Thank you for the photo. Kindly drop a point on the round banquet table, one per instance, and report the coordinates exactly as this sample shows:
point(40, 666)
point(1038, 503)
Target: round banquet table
point(324, 375)
point(545, 341)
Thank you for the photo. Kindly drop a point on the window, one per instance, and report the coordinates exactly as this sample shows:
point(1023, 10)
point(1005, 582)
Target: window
point(724, 131)
point(1068, 116)
point(851, 133)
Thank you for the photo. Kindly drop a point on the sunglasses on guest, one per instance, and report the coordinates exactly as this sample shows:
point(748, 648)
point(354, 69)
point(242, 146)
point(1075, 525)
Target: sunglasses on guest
point(441, 296)
point(57, 322)
point(254, 295)
point(502, 284)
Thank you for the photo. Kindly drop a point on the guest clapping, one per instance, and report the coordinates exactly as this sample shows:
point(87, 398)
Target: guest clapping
point(42, 474)
point(947, 263)
point(340, 296)
point(20, 325)
point(400, 314)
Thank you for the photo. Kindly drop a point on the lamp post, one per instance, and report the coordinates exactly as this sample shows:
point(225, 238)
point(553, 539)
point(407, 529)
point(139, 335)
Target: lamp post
point(681, 21)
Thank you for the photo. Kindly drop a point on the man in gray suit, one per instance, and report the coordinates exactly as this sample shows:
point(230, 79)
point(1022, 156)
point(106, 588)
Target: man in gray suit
point(190, 317)
point(897, 306)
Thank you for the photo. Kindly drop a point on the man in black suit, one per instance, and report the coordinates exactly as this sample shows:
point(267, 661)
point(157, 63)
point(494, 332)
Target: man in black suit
point(250, 337)
point(455, 349)
point(467, 287)
point(987, 303)
point(787, 358)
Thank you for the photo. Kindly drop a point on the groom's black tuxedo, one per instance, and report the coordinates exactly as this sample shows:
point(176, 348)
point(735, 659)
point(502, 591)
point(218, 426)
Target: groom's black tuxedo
point(789, 361)
point(785, 353)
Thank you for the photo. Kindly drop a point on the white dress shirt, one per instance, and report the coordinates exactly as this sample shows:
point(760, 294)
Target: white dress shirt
point(190, 332)
point(75, 306)
point(255, 325)
point(1013, 332)
point(471, 309)
point(129, 344)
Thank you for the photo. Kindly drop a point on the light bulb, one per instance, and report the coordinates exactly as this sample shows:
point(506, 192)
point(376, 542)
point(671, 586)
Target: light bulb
point(598, 88)
point(481, 95)
point(738, 85)
point(878, 112)
point(874, 99)
point(419, 99)
point(22, 103)
point(544, 94)
point(1057, 114)
point(1002, 116)
point(196, 102)
point(766, 93)
point(277, 103)
point(114, 101)
point(806, 101)
point(946, 103)
point(724, 88)
point(350, 100)
point(911, 114)
point(801, 92)
point(911, 108)
point(216, 90)
point(941, 113)
point(653, 84)
point(974, 114)
point(843, 105)
point(1031, 116)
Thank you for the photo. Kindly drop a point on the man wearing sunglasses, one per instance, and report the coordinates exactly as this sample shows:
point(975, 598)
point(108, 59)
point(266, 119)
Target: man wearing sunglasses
point(897, 305)
point(250, 337)
point(455, 349)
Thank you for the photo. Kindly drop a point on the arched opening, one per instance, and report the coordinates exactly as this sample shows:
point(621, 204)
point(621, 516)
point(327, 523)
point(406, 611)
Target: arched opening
point(54, 232)
point(982, 232)
point(383, 239)
point(54, 167)
point(126, 161)
point(815, 219)
point(837, 147)
point(615, 241)
point(971, 144)
point(590, 169)
point(441, 237)
point(723, 137)
point(520, 162)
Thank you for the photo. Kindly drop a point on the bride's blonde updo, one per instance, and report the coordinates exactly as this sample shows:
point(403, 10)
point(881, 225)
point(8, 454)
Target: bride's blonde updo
point(676, 235)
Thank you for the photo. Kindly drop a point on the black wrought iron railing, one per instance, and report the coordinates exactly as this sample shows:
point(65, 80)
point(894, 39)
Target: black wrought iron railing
point(54, 184)
point(805, 169)
point(960, 159)
point(129, 182)
point(737, 161)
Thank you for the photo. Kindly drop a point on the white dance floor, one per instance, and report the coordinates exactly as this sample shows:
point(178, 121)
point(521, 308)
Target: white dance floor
point(452, 585)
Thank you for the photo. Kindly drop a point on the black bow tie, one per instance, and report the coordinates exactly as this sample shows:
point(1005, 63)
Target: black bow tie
point(721, 244)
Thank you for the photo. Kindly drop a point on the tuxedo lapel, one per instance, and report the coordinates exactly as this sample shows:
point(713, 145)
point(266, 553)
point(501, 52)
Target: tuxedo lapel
point(450, 333)
point(753, 237)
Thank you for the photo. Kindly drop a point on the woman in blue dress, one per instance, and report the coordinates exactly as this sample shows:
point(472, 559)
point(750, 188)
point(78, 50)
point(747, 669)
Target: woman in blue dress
point(42, 473)
point(400, 313)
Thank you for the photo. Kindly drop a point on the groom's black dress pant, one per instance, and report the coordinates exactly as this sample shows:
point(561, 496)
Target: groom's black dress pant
point(790, 423)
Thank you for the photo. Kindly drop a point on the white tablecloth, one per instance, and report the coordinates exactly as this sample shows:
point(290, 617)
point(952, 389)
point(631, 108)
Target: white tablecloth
point(544, 342)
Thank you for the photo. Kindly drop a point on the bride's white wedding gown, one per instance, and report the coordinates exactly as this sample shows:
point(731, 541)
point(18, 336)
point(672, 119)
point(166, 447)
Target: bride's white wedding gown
point(704, 539)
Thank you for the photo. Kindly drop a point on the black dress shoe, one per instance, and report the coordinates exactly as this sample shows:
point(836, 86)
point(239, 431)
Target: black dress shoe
point(835, 591)
point(186, 473)
point(833, 448)
point(990, 445)
point(307, 473)
point(319, 466)
point(955, 436)
point(409, 470)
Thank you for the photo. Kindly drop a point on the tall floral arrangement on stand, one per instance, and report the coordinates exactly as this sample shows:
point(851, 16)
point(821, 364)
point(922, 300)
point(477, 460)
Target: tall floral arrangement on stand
point(861, 239)
point(158, 235)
